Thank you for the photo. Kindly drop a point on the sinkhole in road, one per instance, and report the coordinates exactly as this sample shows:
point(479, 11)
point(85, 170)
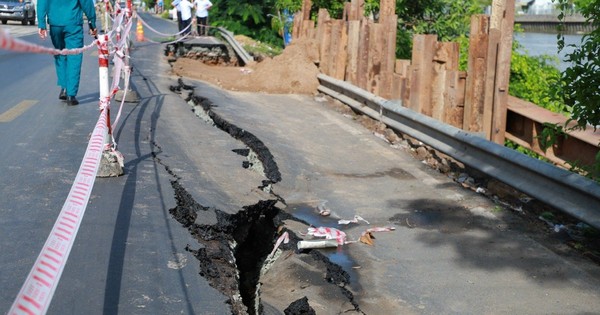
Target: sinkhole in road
point(233, 246)
point(233, 249)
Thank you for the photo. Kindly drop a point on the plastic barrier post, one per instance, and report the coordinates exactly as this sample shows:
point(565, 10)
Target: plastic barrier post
point(111, 164)
point(128, 95)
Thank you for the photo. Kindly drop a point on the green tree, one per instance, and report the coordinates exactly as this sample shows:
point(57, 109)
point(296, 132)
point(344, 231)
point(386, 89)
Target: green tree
point(449, 19)
point(246, 17)
point(580, 81)
point(280, 19)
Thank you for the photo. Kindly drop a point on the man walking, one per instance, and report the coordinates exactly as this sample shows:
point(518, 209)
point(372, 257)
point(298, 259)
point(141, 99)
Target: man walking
point(65, 18)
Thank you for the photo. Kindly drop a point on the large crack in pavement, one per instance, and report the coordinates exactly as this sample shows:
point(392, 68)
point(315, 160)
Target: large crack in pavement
point(233, 249)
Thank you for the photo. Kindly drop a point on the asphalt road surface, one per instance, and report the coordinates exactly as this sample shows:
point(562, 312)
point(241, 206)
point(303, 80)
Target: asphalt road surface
point(453, 251)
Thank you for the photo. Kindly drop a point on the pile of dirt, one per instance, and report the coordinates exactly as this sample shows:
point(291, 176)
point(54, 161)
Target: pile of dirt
point(292, 72)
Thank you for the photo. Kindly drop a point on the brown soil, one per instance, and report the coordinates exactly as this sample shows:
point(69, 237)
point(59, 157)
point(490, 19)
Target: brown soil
point(294, 71)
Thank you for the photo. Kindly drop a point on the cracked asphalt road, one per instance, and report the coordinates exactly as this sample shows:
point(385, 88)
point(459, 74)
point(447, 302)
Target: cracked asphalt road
point(453, 251)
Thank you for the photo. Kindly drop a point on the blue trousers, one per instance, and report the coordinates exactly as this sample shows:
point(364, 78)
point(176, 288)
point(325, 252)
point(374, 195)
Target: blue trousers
point(68, 68)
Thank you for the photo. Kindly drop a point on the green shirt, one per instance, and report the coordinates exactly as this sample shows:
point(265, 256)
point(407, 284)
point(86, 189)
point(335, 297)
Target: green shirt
point(65, 12)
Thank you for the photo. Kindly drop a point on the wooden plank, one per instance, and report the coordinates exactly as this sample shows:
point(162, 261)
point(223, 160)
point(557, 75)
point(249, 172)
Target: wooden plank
point(507, 20)
point(389, 46)
point(322, 17)
point(307, 28)
point(324, 45)
point(387, 10)
point(337, 55)
point(446, 53)
point(490, 76)
point(422, 72)
point(363, 53)
point(297, 25)
point(454, 98)
point(412, 101)
point(306, 7)
point(312, 31)
point(342, 52)
point(357, 10)
point(401, 67)
point(388, 55)
point(476, 69)
point(347, 11)
point(375, 58)
point(525, 121)
point(353, 41)
point(444, 60)
point(400, 80)
point(397, 87)
point(438, 84)
point(334, 41)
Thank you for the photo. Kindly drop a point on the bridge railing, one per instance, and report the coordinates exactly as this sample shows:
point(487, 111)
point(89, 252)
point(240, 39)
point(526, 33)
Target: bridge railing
point(362, 52)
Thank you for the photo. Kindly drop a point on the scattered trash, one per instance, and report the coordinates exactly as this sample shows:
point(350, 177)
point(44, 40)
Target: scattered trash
point(285, 238)
point(556, 227)
point(328, 233)
point(355, 220)
point(480, 190)
point(245, 71)
point(323, 209)
point(317, 244)
point(525, 199)
point(367, 236)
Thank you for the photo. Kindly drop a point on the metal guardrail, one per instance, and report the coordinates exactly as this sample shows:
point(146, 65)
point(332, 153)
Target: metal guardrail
point(239, 50)
point(563, 190)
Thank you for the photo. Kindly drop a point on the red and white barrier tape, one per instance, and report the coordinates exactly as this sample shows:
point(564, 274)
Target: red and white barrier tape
point(284, 238)
point(328, 233)
point(36, 293)
point(7, 42)
point(38, 289)
point(159, 33)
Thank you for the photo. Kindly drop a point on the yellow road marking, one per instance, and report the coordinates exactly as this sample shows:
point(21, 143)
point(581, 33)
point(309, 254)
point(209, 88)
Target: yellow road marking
point(16, 110)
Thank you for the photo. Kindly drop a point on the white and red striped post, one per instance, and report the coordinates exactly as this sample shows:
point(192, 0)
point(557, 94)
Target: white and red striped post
point(111, 159)
point(105, 93)
point(103, 67)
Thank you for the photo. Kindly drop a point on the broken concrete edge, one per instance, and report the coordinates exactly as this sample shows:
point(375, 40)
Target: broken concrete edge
point(233, 252)
point(271, 170)
point(215, 54)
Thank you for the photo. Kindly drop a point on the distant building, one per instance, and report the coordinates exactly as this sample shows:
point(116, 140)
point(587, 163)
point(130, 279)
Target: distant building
point(541, 7)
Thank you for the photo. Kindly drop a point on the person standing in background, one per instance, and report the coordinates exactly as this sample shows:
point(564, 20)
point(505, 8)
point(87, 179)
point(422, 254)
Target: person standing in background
point(186, 15)
point(202, 7)
point(104, 10)
point(65, 18)
point(175, 5)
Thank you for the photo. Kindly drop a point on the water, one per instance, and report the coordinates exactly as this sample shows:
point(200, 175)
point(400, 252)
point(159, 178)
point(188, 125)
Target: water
point(338, 255)
point(536, 44)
